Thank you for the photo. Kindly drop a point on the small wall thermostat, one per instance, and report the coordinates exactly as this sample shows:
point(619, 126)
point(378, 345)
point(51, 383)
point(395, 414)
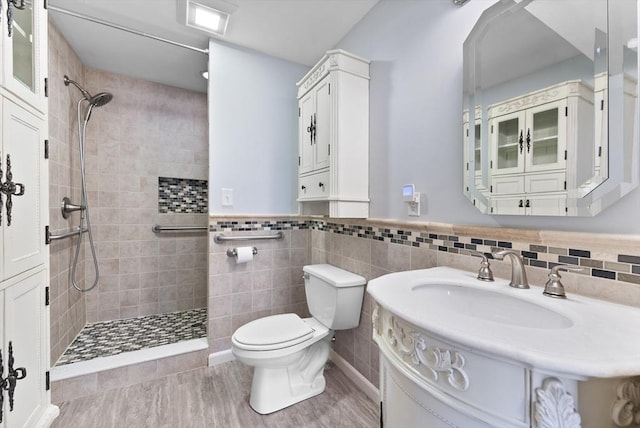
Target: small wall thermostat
point(409, 193)
point(412, 198)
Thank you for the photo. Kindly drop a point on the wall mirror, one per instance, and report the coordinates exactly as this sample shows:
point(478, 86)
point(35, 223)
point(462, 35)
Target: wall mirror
point(550, 116)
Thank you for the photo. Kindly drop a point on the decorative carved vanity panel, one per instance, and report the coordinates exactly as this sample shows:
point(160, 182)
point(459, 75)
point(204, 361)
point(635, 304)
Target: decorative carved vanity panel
point(427, 379)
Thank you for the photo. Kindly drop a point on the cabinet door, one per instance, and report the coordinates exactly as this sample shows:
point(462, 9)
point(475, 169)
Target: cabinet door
point(555, 205)
point(305, 132)
point(24, 313)
point(24, 52)
point(23, 244)
point(508, 185)
point(601, 133)
point(323, 120)
point(507, 137)
point(545, 136)
point(514, 205)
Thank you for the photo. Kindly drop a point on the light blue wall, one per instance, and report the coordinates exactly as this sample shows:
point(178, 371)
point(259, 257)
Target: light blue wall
point(415, 132)
point(416, 102)
point(253, 124)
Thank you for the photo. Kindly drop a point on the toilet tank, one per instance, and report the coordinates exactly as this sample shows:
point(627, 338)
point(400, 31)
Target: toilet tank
point(334, 295)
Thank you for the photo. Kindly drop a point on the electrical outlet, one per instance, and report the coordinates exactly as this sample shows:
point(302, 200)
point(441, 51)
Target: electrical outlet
point(413, 207)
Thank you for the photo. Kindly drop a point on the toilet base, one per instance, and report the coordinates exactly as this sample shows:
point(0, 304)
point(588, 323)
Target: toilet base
point(273, 389)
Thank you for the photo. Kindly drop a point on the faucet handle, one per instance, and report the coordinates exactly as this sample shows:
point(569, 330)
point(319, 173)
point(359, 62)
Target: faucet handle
point(553, 286)
point(484, 274)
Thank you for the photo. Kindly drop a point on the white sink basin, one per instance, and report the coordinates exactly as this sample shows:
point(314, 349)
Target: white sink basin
point(579, 335)
point(490, 306)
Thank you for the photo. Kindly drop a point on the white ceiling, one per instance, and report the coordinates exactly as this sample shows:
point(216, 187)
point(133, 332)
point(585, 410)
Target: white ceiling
point(295, 30)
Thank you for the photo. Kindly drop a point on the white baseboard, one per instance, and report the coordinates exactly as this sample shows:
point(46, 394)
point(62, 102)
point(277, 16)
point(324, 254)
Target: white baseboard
point(221, 357)
point(361, 382)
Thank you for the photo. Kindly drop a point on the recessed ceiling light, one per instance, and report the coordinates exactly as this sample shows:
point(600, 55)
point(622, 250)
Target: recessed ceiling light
point(206, 18)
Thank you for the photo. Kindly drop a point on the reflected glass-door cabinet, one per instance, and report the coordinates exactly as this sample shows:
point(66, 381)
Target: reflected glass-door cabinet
point(541, 144)
point(24, 270)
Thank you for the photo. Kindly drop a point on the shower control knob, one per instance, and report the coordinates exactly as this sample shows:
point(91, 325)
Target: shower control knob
point(67, 207)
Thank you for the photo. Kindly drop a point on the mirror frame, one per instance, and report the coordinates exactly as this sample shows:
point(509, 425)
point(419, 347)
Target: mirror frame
point(623, 147)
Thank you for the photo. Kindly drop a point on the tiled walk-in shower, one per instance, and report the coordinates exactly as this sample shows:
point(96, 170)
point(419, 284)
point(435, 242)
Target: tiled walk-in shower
point(108, 338)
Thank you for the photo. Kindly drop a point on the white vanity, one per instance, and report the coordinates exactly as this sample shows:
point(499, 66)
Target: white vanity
point(460, 352)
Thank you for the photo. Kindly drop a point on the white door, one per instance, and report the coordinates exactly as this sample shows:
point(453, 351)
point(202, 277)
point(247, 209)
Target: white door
point(22, 152)
point(24, 313)
point(507, 144)
point(514, 205)
point(306, 132)
point(322, 123)
point(546, 137)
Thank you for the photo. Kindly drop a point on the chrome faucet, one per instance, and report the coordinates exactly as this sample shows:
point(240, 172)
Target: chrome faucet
point(518, 274)
point(484, 274)
point(553, 287)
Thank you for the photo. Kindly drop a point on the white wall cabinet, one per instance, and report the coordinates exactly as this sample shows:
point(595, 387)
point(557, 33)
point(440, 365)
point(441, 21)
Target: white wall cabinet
point(540, 145)
point(24, 264)
point(333, 137)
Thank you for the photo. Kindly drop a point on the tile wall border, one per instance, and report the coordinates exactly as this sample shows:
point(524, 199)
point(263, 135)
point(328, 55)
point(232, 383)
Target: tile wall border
point(603, 256)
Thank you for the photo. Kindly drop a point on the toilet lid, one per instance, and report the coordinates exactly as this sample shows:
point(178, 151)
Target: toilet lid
point(273, 332)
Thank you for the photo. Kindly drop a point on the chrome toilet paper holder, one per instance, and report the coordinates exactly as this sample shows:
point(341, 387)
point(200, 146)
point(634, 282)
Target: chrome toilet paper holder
point(233, 252)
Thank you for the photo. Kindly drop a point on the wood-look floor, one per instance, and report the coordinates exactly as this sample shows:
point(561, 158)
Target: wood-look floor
point(217, 397)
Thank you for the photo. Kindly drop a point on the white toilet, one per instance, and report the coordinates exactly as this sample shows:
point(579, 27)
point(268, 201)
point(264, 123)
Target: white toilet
point(288, 353)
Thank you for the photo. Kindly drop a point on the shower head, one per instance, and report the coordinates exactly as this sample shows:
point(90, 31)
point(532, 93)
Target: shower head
point(100, 99)
point(97, 100)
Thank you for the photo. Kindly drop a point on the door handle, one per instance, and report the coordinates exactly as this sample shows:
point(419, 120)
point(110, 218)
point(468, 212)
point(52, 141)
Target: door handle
point(520, 141)
point(10, 189)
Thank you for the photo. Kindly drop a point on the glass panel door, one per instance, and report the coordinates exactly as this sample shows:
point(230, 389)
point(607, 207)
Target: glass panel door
point(545, 138)
point(544, 141)
point(23, 46)
point(507, 136)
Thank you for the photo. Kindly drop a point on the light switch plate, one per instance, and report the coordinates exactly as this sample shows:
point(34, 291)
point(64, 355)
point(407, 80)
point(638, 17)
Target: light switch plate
point(227, 197)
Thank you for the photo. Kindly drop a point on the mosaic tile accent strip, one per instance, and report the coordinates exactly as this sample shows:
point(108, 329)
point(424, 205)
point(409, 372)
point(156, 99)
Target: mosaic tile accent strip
point(250, 225)
point(182, 195)
point(627, 267)
point(107, 338)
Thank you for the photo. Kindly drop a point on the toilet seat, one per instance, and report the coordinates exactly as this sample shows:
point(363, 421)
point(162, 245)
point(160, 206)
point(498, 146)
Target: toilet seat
point(272, 332)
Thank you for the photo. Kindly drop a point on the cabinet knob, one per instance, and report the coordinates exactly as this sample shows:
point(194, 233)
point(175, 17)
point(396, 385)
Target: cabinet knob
point(528, 140)
point(520, 203)
point(321, 184)
point(303, 187)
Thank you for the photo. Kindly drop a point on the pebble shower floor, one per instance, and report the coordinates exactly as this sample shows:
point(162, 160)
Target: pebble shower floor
point(107, 338)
